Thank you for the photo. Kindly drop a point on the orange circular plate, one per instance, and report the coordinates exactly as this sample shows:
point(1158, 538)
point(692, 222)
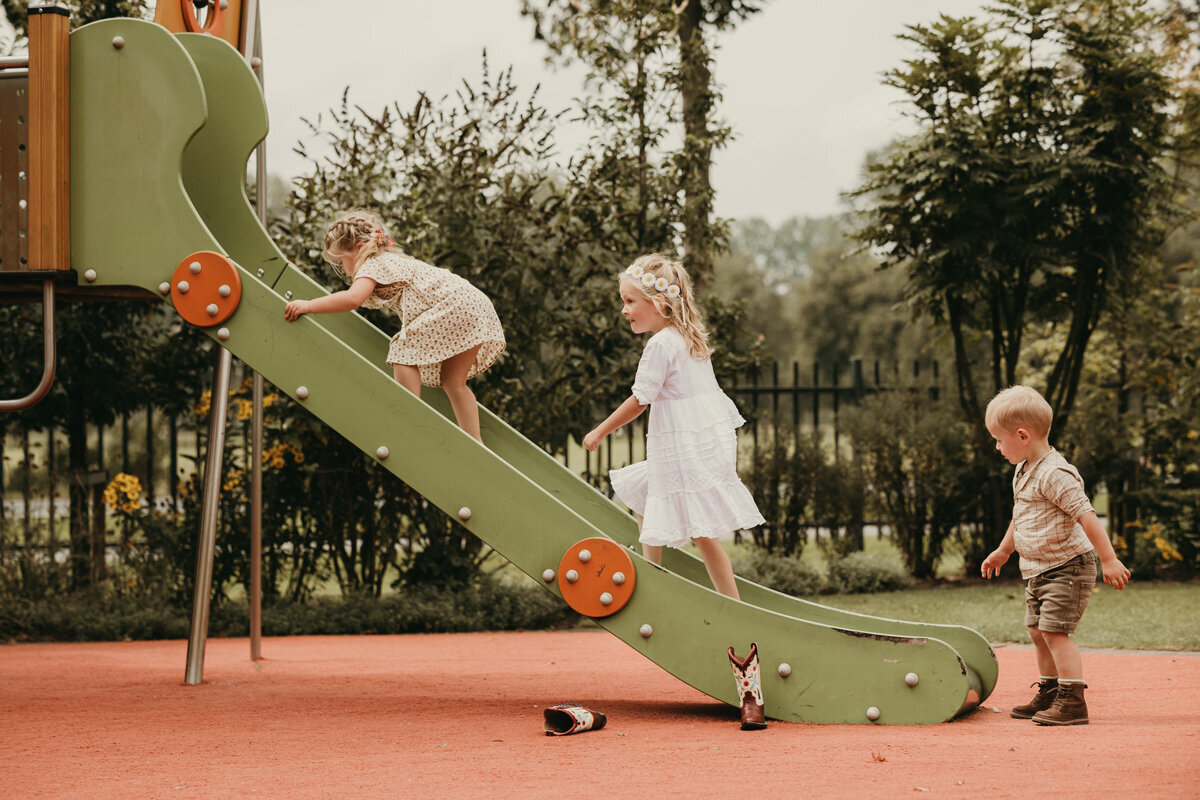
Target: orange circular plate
point(595, 577)
point(204, 288)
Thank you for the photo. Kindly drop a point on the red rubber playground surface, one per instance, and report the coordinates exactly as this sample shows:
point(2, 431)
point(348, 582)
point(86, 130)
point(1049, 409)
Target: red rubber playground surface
point(459, 716)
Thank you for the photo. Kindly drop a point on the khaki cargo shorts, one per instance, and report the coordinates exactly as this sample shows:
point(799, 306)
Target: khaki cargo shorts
point(1055, 600)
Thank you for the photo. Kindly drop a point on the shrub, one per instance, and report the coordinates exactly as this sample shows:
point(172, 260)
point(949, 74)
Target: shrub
point(781, 573)
point(866, 573)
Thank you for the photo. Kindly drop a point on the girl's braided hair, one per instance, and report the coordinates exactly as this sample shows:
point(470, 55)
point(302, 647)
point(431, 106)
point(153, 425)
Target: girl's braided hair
point(358, 232)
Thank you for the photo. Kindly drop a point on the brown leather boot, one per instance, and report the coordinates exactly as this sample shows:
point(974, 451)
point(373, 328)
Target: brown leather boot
point(1046, 692)
point(1068, 709)
point(745, 672)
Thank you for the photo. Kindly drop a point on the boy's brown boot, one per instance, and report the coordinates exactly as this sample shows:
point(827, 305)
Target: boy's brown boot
point(1068, 709)
point(1046, 692)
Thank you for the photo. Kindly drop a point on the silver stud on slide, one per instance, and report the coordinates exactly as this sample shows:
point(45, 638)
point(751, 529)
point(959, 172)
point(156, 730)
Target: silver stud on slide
point(585, 556)
point(381, 452)
point(572, 576)
point(911, 679)
point(646, 631)
point(256, 62)
point(164, 288)
point(605, 599)
point(464, 513)
point(872, 713)
point(260, 272)
point(118, 42)
point(287, 295)
point(618, 578)
point(548, 575)
point(194, 267)
point(302, 392)
point(183, 287)
point(785, 669)
point(224, 290)
point(223, 334)
point(90, 275)
point(212, 309)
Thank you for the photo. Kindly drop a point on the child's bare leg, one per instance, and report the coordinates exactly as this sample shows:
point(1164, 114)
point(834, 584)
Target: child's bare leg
point(651, 552)
point(1045, 659)
point(720, 570)
point(1066, 655)
point(408, 376)
point(462, 399)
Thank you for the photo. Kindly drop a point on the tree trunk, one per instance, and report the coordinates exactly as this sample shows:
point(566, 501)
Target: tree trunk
point(696, 90)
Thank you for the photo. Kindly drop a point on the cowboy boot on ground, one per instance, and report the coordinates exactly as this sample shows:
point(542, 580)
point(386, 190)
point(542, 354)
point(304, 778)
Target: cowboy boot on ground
point(745, 672)
point(568, 718)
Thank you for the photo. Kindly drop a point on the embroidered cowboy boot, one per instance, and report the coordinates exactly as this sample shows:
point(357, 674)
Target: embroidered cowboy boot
point(745, 672)
point(568, 718)
point(1047, 690)
point(1069, 707)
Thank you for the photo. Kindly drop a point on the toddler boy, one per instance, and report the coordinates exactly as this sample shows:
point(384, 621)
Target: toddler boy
point(1054, 530)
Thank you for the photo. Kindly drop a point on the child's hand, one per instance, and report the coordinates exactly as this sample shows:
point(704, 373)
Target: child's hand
point(592, 440)
point(1116, 574)
point(990, 568)
point(296, 309)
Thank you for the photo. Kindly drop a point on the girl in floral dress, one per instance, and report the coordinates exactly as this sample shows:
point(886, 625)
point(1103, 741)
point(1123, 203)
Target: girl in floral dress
point(688, 487)
point(450, 330)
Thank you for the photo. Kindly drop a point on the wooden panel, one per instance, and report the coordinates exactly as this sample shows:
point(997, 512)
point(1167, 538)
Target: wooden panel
point(49, 141)
point(14, 105)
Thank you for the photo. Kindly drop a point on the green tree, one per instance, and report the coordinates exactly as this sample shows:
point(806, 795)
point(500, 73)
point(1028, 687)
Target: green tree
point(655, 57)
point(1034, 190)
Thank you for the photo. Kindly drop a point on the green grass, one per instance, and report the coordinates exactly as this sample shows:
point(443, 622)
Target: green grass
point(1143, 616)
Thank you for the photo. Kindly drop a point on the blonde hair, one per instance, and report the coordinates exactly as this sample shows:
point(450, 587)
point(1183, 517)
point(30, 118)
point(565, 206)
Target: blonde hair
point(680, 312)
point(1019, 406)
point(358, 232)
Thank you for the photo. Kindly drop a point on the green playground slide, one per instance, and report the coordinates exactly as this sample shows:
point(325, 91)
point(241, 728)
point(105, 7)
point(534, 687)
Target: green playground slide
point(161, 130)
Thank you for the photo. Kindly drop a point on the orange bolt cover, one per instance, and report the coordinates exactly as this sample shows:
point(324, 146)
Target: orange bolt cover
point(605, 558)
point(203, 293)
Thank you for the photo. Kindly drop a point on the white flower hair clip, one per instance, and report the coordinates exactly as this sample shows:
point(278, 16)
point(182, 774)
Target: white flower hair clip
point(660, 284)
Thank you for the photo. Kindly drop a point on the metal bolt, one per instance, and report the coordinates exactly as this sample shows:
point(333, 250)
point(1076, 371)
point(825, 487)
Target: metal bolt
point(224, 4)
point(223, 334)
point(618, 578)
point(288, 295)
point(224, 290)
point(872, 713)
point(646, 631)
point(572, 576)
point(259, 272)
point(605, 599)
point(585, 556)
point(118, 42)
point(381, 452)
point(256, 62)
point(183, 287)
point(194, 267)
point(785, 669)
point(90, 275)
point(212, 309)
point(464, 513)
point(302, 392)
point(548, 575)
point(164, 287)
point(911, 679)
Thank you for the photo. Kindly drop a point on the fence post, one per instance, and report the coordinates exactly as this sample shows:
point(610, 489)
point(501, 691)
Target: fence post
point(856, 366)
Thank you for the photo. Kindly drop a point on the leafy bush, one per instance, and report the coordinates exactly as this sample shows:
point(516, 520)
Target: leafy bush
point(866, 573)
point(781, 573)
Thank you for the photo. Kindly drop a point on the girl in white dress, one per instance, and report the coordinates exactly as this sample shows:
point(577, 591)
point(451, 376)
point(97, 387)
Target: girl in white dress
point(688, 487)
point(450, 329)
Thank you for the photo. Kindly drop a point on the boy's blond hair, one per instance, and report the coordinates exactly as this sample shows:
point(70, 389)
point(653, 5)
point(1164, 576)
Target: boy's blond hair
point(1019, 407)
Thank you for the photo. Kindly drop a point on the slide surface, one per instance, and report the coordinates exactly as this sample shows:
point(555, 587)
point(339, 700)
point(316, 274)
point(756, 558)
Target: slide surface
point(162, 128)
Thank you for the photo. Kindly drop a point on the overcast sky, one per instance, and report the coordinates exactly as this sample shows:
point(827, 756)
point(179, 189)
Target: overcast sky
point(801, 81)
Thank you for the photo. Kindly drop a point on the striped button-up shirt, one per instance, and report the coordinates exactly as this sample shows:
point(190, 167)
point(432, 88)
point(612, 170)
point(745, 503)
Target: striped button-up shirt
point(1048, 500)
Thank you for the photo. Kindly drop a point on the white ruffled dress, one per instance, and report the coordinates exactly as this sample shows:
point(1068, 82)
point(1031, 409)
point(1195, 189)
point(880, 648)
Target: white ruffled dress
point(688, 486)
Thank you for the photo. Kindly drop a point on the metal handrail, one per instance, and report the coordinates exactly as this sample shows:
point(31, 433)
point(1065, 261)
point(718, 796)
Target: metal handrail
point(48, 355)
point(14, 62)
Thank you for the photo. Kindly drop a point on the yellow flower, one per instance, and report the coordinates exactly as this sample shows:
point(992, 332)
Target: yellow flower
point(123, 492)
point(245, 409)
